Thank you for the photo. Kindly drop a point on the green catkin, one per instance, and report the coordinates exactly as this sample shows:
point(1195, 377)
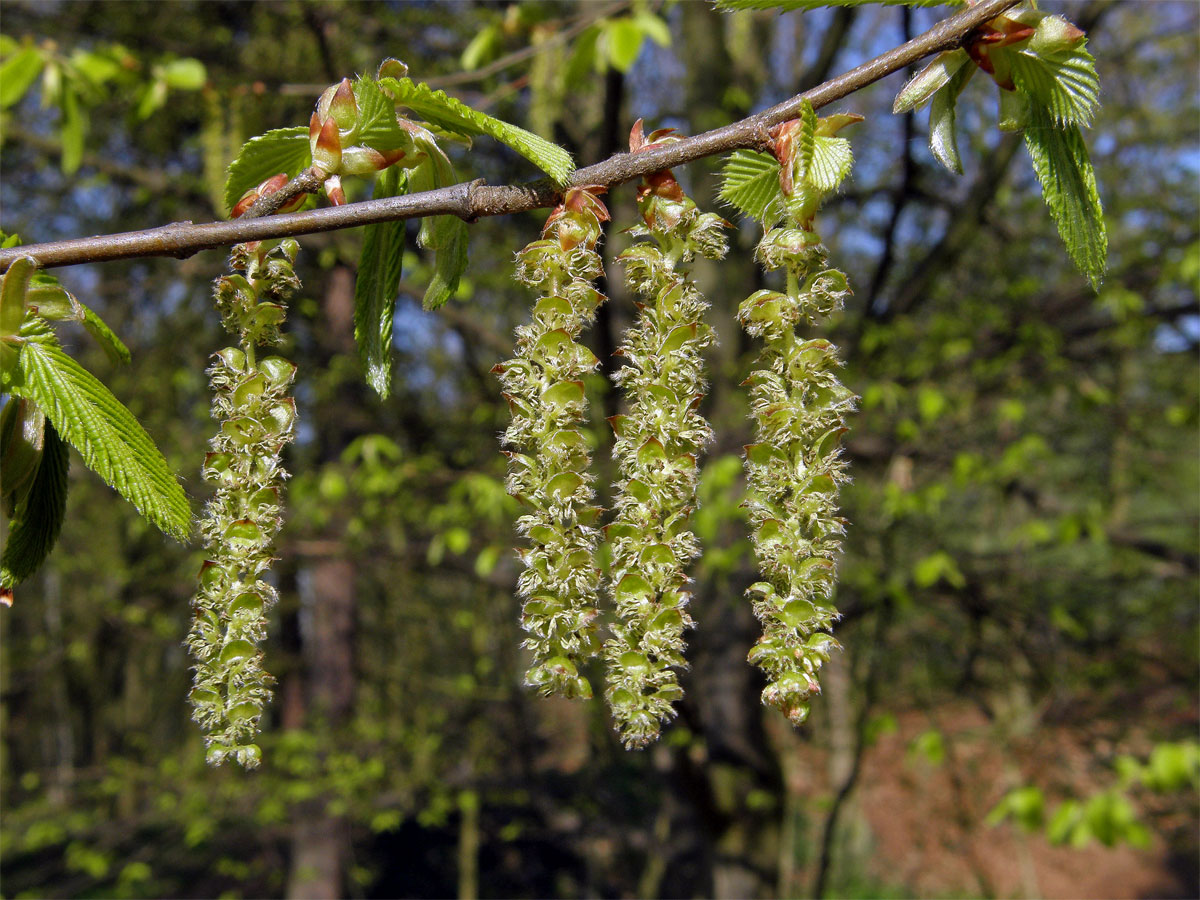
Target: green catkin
point(257, 418)
point(795, 469)
point(658, 444)
point(548, 453)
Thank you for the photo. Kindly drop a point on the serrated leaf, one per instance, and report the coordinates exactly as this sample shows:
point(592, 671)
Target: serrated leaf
point(279, 150)
point(1064, 82)
point(109, 439)
point(1064, 169)
point(751, 185)
point(378, 127)
point(805, 5)
point(17, 74)
point(39, 517)
point(379, 269)
point(930, 80)
point(455, 116)
point(943, 138)
point(829, 163)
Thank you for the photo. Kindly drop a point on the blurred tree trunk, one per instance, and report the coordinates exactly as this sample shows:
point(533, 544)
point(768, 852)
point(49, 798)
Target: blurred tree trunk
point(320, 841)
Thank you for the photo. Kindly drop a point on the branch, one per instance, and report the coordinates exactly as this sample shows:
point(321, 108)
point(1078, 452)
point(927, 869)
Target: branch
point(473, 200)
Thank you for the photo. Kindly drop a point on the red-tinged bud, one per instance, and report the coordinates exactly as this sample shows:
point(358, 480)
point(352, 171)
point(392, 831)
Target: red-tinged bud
point(1055, 34)
point(366, 160)
point(338, 103)
point(333, 190)
point(268, 187)
point(327, 147)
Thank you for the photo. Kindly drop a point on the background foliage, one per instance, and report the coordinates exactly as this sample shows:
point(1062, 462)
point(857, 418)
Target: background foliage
point(1020, 573)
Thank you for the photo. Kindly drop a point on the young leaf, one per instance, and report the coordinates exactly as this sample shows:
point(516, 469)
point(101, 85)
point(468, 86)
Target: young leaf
point(450, 236)
point(1061, 163)
point(38, 518)
point(830, 162)
point(280, 150)
point(943, 140)
point(455, 116)
point(930, 80)
point(17, 73)
point(1063, 81)
point(378, 127)
point(379, 269)
point(13, 289)
point(446, 235)
point(111, 441)
point(53, 301)
point(751, 185)
point(805, 5)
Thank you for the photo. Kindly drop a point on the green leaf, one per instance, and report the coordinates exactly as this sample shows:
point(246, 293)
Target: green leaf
point(17, 74)
point(379, 269)
point(13, 289)
point(622, 42)
point(39, 517)
point(280, 150)
point(455, 116)
point(830, 162)
point(378, 127)
point(930, 80)
point(943, 139)
point(71, 129)
point(111, 441)
point(804, 5)
point(1064, 82)
point(185, 74)
point(1061, 163)
point(751, 185)
point(55, 302)
point(483, 48)
point(446, 235)
point(450, 239)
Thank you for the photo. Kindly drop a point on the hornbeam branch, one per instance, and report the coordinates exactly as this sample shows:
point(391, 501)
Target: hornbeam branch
point(474, 200)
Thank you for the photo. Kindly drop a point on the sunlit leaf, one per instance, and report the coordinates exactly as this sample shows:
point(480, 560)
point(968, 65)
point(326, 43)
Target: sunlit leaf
point(1064, 169)
point(109, 439)
point(1064, 82)
point(280, 150)
point(943, 139)
point(829, 163)
point(17, 74)
point(751, 185)
point(379, 270)
point(455, 116)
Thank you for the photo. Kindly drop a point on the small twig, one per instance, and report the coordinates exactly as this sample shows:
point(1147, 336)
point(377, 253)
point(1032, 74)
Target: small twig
point(475, 200)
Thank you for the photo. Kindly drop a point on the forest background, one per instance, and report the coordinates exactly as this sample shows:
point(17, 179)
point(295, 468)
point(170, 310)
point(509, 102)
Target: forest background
point(1016, 708)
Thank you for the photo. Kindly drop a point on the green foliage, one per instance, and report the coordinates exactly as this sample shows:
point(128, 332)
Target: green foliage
point(751, 185)
point(36, 519)
point(93, 421)
point(279, 150)
point(1062, 166)
point(454, 116)
point(379, 268)
point(1048, 89)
